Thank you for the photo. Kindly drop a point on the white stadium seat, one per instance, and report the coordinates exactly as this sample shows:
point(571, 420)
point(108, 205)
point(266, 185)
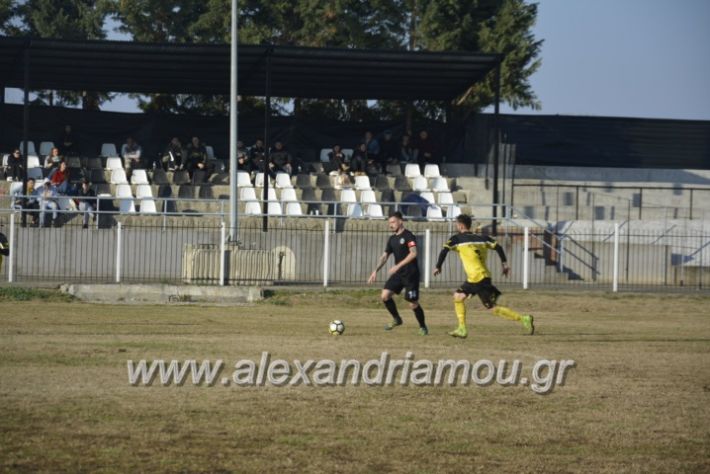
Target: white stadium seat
point(420, 184)
point(324, 158)
point(283, 180)
point(348, 195)
point(109, 150)
point(33, 161)
point(35, 173)
point(445, 198)
point(247, 194)
point(210, 152)
point(124, 191)
point(127, 206)
point(348, 152)
point(354, 210)
point(243, 179)
point(453, 211)
point(274, 208)
point(362, 183)
point(148, 206)
point(139, 177)
point(114, 163)
point(45, 148)
point(30, 148)
point(288, 195)
point(294, 209)
point(271, 194)
point(429, 196)
point(252, 208)
point(144, 191)
point(434, 213)
point(368, 197)
point(431, 171)
point(259, 180)
point(118, 177)
point(440, 184)
point(411, 170)
point(374, 210)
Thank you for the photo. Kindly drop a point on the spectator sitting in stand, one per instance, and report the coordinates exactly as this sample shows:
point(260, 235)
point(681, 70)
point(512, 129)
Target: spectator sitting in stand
point(30, 203)
point(373, 146)
point(281, 158)
point(131, 153)
point(407, 152)
point(53, 159)
point(69, 143)
point(358, 161)
point(196, 156)
point(48, 202)
point(59, 178)
point(257, 154)
point(243, 161)
point(86, 201)
point(341, 162)
point(425, 145)
point(172, 157)
point(389, 150)
point(15, 166)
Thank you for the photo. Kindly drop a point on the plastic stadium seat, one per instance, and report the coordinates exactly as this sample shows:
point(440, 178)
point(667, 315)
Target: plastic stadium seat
point(288, 195)
point(252, 208)
point(73, 162)
point(354, 210)
point(124, 191)
point(243, 179)
point(283, 180)
point(97, 176)
point(181, 177)
point(94, 164)
point(434, 212)
point(109, 150)
point(33, 161)
point(199, 177)
point(348, 152)
point(144, 191)
point(452, 211)
point(348, 195)
point(368, 197)
point(411, 170)
point(362, 183)
point(294, 209)
point(324, 158)
point(303, 181)
point(30, 148)
point(118, 177)
point(114, 163)
point(45, 148)
point(210, 152)
point(127, 206)
point(440, 184)
point(445, 198)
point(205, 192)
point(35, 173)
point(160, 177)
point(139, 177)
point(401, 184)
point(374, 210)
point(274, 208)
point(420, 183)
point(270, 194)
point(429, 196)
point(394, 170)
point(148, 207)
point(186, 191)
point(259, 180)
point(247, 194)
point(431, 171)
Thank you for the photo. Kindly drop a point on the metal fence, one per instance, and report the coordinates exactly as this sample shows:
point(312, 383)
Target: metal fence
point(339, 251)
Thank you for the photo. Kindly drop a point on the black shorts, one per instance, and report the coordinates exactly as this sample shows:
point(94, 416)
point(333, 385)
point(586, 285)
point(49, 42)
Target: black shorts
point(410, 284)
point(484, 289)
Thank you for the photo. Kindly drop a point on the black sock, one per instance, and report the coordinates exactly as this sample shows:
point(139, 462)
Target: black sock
point(392, 308)
point(419, 313)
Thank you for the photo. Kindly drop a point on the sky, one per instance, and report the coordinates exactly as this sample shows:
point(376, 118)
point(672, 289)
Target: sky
point(624, 58)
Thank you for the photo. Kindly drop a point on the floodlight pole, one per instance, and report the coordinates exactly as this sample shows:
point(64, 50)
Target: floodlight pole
point(496, 150)
point(233, 134)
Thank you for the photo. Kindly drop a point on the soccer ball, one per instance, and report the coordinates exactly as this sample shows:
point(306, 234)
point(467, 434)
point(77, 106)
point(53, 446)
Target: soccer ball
point(336, 327)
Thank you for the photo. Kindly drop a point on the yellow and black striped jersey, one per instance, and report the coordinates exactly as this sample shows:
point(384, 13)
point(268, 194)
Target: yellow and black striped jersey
point(473, 251)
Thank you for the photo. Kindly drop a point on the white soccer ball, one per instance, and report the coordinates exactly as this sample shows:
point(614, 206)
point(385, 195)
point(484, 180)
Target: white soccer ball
point(336, 327)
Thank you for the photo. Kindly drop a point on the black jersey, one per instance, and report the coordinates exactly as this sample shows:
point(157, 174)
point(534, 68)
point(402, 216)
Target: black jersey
point(399, 245)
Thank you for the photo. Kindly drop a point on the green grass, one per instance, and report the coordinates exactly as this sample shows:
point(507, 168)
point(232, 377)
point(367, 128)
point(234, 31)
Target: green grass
point(8, 294)
point(638, 400)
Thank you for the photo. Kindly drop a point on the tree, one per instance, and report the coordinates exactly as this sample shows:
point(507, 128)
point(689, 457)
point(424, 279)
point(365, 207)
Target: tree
point(6, 14)
point(65, 19)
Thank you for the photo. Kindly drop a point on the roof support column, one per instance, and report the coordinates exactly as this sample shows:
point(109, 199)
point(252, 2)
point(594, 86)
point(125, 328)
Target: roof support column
point(496, 149)
point(267, 141)
point(26, 115)
point(233, 133)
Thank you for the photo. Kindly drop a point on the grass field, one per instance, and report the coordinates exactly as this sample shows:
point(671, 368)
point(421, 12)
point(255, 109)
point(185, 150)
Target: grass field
point(638, 399)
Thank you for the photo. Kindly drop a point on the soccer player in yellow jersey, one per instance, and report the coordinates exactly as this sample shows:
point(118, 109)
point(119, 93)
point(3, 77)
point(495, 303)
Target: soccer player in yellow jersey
point(473, 251)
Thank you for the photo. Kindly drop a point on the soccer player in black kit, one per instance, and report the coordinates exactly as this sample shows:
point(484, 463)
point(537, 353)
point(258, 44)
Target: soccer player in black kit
point(404, 275)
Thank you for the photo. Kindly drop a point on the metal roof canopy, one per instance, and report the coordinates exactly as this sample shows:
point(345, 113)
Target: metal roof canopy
point(119, 66)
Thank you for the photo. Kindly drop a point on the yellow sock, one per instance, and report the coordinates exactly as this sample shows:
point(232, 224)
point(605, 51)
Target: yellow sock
point(460, 308)
point(507, 313)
